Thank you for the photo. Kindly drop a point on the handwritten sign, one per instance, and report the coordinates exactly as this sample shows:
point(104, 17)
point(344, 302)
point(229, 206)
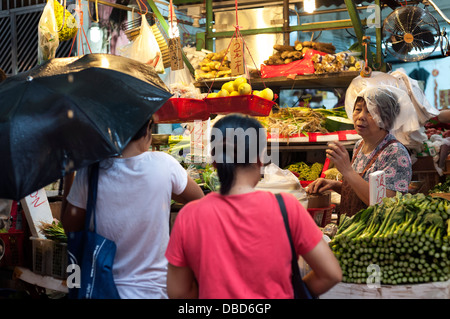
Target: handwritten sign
point(175, 54)
point(444, 98)
point(377, 187)
point(37, 210)
point(237, 57)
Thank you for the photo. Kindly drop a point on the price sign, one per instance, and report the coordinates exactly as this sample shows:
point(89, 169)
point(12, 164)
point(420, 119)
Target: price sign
point(377, 187)
point(175, 54)
point(37, 210)
point(237, 57)
point(444, 100)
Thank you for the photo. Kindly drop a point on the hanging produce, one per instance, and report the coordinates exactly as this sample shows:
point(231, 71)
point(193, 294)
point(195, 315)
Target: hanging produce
point(406, 236)
point(67, 25)
point(240, 86)
point(214, 65)
point(238, 95)
point(47, 33)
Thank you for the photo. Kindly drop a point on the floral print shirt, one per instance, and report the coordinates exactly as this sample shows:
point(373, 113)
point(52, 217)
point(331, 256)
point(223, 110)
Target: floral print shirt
point(394, 160)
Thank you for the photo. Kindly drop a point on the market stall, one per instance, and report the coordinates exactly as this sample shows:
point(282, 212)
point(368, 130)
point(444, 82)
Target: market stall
point(288, 67)
point(397, 248)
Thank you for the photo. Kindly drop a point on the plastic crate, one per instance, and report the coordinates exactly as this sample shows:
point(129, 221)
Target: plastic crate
point(49, 258)
point(179, 110)
point(246, 104)
point(322, 216)
point(13, 243)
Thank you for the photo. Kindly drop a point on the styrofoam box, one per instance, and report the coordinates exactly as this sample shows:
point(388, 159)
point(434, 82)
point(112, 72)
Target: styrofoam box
point(49, 257)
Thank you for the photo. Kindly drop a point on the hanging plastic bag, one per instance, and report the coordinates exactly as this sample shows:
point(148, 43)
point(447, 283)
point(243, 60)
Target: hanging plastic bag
point(67, 25)
point(424, 109)
point(181, 84)
point(47, 33)
point(144, 48)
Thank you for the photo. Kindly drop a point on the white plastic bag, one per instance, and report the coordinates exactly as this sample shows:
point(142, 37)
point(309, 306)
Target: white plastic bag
point(424, 109)
point(277, 180)
point(47, 34)
point(144, 48)
point(181, 84)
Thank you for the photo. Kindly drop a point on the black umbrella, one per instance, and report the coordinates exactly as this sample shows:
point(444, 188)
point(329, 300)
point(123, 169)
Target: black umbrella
point(69, 113)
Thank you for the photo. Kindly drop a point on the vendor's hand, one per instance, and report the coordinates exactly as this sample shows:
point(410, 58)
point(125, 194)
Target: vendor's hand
point(338, 154)
point(319, 185)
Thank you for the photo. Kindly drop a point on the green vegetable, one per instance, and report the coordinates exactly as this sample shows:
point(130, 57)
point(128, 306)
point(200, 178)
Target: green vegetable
point(443, 187)
point(211, 179)
point(54, 231)
point(338, 123)
point(306, 172)
point(407, 236)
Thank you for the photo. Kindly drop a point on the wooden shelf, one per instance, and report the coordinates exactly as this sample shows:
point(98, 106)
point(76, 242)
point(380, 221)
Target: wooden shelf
point(312, 81)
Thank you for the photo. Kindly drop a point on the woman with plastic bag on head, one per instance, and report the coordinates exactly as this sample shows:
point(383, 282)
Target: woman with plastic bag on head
point(377, 111)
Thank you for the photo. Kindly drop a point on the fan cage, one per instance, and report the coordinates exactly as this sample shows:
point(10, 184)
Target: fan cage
point(411, 33)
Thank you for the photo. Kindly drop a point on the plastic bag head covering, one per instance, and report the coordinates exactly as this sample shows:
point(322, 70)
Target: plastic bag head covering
point(383, 105)
point(387, 101)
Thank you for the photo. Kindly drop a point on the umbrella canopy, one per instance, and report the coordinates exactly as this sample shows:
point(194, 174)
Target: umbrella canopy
point(68, 113)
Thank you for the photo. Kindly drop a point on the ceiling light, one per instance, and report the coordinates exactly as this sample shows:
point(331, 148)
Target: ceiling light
point(309, 5)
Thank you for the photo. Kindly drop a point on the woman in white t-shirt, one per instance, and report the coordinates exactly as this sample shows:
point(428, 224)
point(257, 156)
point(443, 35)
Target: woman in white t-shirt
point(133, 210)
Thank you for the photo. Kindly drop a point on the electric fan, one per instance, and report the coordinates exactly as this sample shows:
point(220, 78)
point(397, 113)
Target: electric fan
point(411, 33)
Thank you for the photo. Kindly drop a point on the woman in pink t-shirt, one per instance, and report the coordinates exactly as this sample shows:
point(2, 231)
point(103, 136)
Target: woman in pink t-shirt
point(233, 244)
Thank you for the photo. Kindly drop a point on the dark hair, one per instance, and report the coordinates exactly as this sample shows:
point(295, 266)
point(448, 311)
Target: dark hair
point(143, 131)
point(241, 134)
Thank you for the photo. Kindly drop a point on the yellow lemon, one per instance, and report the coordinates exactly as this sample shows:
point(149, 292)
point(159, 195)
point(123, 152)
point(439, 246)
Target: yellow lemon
point(244, 89)
point(212, 95)
point(223, 93)
point(257, 93)
point(229, 86)
point(267, 94)
point(238, 82)
point(234, 93)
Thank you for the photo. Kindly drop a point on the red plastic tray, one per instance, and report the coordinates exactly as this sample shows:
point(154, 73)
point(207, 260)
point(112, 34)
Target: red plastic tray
point(322, 216)
point(245, 104)
point(14, 249)
point(178, 110)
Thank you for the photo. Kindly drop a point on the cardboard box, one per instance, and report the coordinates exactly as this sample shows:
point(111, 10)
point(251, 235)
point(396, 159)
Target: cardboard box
point(321, 200)
point(55, 207)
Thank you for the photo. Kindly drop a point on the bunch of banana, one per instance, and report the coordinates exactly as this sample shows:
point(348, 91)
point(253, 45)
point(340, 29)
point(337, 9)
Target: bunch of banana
point(214, 65)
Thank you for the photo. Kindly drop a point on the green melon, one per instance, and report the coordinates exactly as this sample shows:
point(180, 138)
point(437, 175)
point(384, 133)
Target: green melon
point(338, 123)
